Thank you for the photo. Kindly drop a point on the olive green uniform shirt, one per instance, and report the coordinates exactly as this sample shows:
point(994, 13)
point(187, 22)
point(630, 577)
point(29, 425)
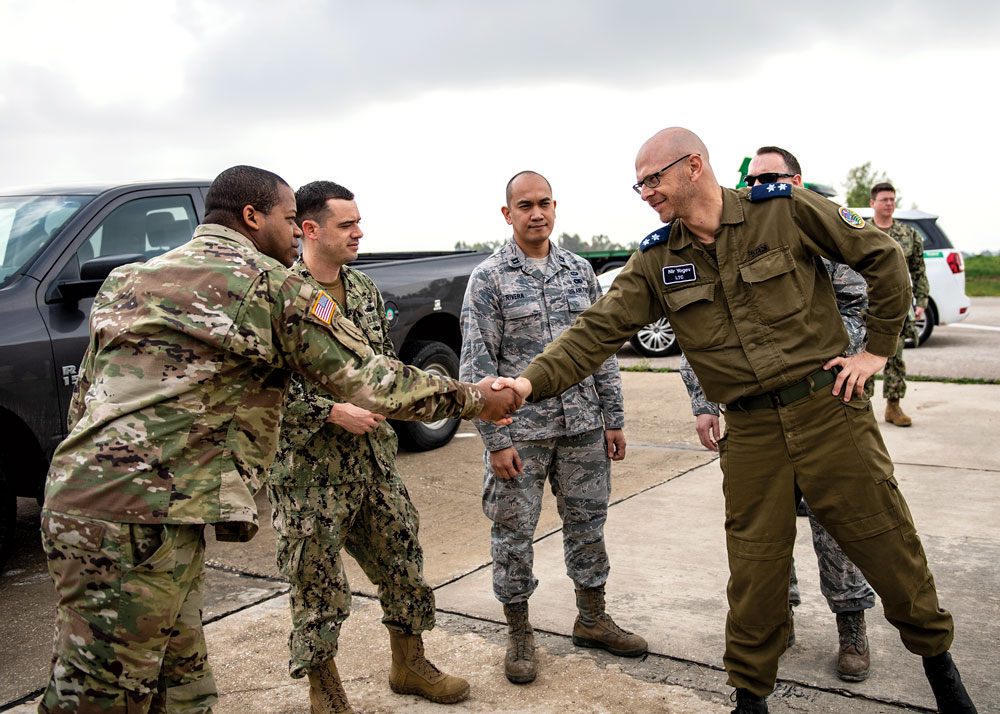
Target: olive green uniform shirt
point(756, 312)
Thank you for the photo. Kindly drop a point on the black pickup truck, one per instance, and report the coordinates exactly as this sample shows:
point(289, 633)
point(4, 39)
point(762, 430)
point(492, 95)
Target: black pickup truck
point(57, 244)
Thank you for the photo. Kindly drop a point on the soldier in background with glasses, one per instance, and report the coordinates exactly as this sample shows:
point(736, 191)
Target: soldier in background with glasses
point(847, 592)
point(738, 275)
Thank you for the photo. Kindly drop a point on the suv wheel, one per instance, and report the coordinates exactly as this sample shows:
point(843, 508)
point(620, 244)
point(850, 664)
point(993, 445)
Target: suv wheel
point(656, 339)
point(925, 326)
point(436, 358)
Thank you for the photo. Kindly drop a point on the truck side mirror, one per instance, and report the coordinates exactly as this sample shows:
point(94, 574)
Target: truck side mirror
point(92, 275)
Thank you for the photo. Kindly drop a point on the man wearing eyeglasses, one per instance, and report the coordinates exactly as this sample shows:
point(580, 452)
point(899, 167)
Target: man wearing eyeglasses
point(738, 276)
point(847, 592)
point(517, 300)
point(883, 203)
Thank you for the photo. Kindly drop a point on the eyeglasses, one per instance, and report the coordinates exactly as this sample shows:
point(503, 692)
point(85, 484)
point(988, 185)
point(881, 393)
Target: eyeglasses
point(653, 180)
point(765, 178)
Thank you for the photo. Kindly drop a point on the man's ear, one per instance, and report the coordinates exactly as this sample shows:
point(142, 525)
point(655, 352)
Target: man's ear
point(506, 214)
point(310, 229)
point(251, 218)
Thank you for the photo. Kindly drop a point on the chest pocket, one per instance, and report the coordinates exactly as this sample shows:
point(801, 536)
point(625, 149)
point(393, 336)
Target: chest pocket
point(578, 302)
point(773, 285)
point(698, 319)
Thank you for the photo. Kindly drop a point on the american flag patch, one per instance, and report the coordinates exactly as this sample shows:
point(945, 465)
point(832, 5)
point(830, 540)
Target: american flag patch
point(323, 307)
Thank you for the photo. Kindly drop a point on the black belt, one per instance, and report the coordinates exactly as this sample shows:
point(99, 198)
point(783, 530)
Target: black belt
point(783, 397)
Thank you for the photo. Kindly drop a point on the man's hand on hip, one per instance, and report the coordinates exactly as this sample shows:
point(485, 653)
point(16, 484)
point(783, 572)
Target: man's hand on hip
point(855, 371)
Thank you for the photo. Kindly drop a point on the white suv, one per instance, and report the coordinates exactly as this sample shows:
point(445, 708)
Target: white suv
point(945, 275)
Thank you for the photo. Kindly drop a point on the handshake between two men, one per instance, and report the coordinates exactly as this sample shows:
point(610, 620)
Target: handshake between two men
point(504, 396)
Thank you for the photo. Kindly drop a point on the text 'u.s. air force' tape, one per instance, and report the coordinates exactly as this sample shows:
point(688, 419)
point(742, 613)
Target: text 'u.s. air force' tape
point(764, 191)
point(658, 236)
point(673, 274)
point(324, 307)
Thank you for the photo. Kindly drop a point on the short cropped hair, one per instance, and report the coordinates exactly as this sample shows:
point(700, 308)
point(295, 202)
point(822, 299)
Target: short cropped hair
point(791, 163)
point(522, 173)
point(237, 187)
point(880, 187)
point(311, 199)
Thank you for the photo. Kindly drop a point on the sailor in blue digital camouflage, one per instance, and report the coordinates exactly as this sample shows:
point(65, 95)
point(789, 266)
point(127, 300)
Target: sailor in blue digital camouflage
point(847, 592)
point(172, 426)
point(883, 202)
point(334, 486)
point(516, 302)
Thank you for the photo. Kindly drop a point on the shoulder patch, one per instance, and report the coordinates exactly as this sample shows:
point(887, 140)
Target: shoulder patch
point(658, 236)
point(851, 218)
point(323, 307)
point(764, 191)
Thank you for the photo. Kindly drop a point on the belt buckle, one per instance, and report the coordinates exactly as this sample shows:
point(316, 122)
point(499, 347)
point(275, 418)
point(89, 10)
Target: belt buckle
point(775, 398)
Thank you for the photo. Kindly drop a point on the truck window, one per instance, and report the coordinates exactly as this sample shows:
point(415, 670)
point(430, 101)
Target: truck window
point(148, 226)
point(27, 225)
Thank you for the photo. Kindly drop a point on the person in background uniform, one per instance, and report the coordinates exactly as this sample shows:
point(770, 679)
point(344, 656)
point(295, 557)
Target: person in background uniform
point(846, 591)
point(738, 275)
point(172, 426)
point(335, 485)
point(516, 301)
point(883, 202)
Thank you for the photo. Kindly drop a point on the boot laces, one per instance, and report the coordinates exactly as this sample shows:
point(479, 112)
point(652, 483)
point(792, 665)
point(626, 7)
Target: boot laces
point(851, 634)
point(423, 666)
point(519, 631)
point(332, 690)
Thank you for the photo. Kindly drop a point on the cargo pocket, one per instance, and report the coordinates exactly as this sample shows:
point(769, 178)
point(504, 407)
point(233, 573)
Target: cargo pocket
point(698, 319)
point(773, 285)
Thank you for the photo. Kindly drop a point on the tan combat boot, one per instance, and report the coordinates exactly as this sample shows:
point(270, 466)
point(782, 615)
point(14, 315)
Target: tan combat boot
point(894, 414)
point(520, 664)
point(854, 659)
point(326, 693)
point(412, 673)
point(595, 628)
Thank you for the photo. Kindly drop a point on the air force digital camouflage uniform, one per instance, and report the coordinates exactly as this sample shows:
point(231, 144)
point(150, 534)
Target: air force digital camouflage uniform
point(332, 489)
point(511, 311)
point(840, 581)
point(894, 374)
point(173, 424)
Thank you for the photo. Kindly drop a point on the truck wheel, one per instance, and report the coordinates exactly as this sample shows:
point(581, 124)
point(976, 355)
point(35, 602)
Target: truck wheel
point(656, 339)
point(8, 517)
point(925, 327)
point(436, 358)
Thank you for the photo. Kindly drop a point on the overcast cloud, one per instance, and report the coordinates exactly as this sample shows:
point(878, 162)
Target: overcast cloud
point(411, 102)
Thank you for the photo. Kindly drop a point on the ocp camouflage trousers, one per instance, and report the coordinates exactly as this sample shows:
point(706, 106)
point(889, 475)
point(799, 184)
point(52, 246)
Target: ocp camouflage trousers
point(840, 581)
point(375, 521)
point(579, 474)
point(893, 376)
point(128, 629)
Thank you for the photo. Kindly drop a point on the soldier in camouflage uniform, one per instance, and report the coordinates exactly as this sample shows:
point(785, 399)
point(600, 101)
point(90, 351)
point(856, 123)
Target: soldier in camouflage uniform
point(172, 426)
point(334, 485)
point(883, 202)
point(517, 301)
point(847, 592)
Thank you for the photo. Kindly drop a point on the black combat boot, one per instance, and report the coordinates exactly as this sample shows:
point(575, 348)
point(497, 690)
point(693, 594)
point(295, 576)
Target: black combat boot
point(947, 685)
point(748, 703)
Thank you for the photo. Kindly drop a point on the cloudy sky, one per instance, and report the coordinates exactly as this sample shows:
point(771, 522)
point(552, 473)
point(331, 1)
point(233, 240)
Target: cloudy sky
point(425, 108)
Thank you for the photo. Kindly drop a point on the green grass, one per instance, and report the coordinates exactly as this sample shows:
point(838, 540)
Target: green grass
point(982, 276)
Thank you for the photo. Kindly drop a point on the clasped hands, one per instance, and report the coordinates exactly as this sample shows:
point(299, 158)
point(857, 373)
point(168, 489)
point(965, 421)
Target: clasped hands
point(504, 396)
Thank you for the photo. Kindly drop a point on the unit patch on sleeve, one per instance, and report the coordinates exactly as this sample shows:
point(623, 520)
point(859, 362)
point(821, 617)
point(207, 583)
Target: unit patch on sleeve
point(673, 274)
point(851, 218)
point(324, 307)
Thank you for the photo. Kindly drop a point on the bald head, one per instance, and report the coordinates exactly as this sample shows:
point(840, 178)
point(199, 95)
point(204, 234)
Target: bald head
point(676, 141)
point(516, 178)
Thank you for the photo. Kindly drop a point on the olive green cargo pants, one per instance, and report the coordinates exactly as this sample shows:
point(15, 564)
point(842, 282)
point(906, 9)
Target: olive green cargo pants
point(765, 454)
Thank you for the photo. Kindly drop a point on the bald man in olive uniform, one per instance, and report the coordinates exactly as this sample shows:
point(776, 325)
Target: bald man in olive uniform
point(738, 275)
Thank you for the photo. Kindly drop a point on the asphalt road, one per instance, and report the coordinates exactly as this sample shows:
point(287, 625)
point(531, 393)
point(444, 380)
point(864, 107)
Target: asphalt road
point(243, 574)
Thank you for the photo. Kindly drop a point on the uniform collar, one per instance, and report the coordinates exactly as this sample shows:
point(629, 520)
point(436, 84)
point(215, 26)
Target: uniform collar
point(514, 257)
point(732, 213)
point(219, 231)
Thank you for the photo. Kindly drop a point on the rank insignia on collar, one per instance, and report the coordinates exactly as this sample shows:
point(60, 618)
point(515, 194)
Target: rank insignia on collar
point(851, 218)
point(764, 191)
point(658, 236)
point(324, 307)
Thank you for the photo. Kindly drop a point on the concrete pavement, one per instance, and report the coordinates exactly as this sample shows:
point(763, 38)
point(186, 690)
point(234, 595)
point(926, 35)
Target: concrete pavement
point(668, 582)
